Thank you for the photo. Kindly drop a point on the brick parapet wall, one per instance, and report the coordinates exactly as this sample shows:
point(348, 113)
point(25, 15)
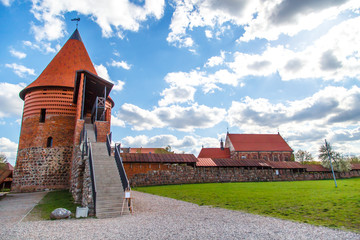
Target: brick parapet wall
point(40, 168)
point(102, 128)
point(132, 169)
point(178, 174)
point(79, 125)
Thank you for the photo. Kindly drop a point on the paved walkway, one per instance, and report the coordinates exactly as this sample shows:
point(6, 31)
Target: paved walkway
point(15, 206)
point(163, 218)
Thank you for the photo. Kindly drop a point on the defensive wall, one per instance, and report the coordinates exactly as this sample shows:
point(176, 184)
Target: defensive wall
point(165, 174)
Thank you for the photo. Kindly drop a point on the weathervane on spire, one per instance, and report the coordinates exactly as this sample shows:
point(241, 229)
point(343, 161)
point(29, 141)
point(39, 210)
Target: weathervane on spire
point(77, 21)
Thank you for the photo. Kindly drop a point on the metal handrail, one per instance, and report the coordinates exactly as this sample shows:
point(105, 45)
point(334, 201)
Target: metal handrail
point(95, 130)
point(92, 176)
point(119, 163)
point(108, 142)
point(85, 147)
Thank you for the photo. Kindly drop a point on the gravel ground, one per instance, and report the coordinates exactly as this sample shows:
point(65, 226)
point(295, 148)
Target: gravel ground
point(163, 218)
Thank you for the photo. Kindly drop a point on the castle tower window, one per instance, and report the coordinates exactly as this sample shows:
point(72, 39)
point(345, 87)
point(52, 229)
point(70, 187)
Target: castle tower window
point(49, 142)
point(42, 115)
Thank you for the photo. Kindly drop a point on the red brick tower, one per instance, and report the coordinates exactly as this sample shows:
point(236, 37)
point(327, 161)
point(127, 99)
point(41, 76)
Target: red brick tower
point(53, 115)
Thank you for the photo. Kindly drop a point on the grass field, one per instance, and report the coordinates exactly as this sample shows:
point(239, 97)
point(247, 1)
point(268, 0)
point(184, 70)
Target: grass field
point(51, 201)
point(314, 202)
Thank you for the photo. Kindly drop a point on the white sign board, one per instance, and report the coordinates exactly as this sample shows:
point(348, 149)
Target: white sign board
point(127, 194)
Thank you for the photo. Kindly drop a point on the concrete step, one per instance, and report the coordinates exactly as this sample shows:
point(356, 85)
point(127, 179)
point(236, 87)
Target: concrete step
point(109, 214)
point(109, 196)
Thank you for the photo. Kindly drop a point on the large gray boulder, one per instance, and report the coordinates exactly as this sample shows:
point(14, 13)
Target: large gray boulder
point(60, 213)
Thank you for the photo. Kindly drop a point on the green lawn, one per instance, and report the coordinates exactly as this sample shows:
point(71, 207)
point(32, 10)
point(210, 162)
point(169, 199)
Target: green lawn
point(314, 202)
point(51, 201)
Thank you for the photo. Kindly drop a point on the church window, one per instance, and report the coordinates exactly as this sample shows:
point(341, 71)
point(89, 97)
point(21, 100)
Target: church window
point(49, 142)
point(42, 115)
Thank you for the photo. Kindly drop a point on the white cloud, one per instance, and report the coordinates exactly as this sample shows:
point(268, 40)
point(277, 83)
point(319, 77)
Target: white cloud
point(121, 64)
point(42, 47)
point(208, 34)
point(117, 122)
point(177, 94)
point(7, 3)
point(119, 85)
point(332, 107)
point(9, 96)
point(208, 81)
point(9, 148)
point(17, 54)
point(190, 14)
point(188, 144)
point(110, 15)
point(102, 72)
point(21, 70)
point(215, 60)
point(290, 17)
point(173, 117)
point(260, 19)
point(335, 56)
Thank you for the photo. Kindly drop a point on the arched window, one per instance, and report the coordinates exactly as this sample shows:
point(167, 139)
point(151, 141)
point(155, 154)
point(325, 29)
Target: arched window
point(49, 142)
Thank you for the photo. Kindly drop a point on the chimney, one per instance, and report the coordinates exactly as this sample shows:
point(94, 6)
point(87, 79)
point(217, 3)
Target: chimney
point(221, 144)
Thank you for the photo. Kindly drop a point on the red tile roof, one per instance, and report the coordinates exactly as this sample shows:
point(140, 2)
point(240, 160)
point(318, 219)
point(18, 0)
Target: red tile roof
point(158, 158)
point(61, 70)
point(214, 153)
point(316, 168)
point(6, 172)
point(355, 166)
point(258, 142)
point(228, 162)
point(218, 162)
point(285, 165)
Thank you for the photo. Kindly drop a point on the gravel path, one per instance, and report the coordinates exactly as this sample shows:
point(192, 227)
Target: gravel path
point(163, 218)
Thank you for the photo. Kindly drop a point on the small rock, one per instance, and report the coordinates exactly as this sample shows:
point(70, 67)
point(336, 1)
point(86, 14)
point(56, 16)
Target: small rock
point(60, 213)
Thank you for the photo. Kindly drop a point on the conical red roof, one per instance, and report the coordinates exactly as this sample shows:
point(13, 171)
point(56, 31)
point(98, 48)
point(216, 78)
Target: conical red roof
point(61, 70)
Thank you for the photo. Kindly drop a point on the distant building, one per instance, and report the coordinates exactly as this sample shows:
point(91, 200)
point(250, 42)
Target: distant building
point(6, 176)
point(270, 147)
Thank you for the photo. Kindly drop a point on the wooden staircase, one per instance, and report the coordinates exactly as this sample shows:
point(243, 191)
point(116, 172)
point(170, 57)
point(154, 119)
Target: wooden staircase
point(109, 189)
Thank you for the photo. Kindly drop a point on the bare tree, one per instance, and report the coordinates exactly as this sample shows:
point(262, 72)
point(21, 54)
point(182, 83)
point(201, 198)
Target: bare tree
point(340, 163)
point(3, 160)
point(303, 156)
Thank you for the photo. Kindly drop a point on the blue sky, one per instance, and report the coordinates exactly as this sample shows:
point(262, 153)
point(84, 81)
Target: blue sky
point(185, 71)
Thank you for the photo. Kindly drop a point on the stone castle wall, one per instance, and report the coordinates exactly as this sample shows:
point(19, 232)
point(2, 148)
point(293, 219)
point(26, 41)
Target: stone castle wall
point(181, 174)
point(39, 168)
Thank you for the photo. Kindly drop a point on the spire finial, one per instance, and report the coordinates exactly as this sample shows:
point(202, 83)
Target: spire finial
point(77, 21)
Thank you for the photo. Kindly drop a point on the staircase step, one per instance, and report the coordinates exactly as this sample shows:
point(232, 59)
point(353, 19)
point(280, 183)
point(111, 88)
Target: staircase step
point(109, 196)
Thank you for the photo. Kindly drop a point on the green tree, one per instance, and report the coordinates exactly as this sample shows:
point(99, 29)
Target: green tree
point(354, 159)
point(167, 149)
point(340, 164)
point(303, 156)
point(3, 160)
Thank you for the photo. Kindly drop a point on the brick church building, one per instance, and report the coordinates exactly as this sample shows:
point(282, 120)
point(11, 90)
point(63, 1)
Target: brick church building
point(270, 147)
point(56, 105)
